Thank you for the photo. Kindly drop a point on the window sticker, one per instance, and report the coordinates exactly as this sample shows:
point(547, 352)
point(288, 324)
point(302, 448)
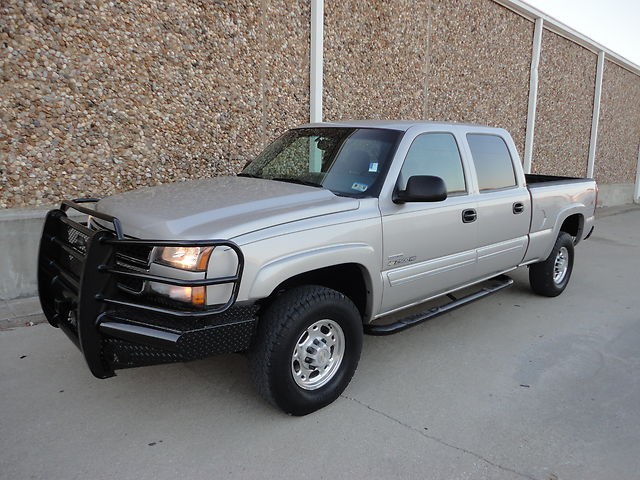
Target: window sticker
point(373, 167)
point(360, 187)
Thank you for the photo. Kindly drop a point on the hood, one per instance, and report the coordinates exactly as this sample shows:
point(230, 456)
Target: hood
point(222, 207)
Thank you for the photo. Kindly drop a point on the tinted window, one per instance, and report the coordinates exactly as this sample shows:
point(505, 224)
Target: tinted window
point(434, 154)
point(347, 161)
point(493, 161)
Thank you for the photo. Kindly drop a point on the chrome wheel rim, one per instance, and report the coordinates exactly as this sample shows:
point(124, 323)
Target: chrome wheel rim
point(317, 354)
point(561, 266)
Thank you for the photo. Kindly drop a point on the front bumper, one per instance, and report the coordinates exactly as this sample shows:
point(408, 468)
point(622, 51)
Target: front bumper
point(83, 291)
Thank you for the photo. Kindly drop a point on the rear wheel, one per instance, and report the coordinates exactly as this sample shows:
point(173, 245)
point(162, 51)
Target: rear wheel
point(307, 349)
point(550, 278)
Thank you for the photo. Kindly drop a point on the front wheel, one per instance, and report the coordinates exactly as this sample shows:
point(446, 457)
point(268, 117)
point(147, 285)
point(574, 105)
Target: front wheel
point(550, 278)
point(307, 349)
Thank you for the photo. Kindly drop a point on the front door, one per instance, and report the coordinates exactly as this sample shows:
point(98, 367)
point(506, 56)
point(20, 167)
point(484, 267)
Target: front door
point(429, 248)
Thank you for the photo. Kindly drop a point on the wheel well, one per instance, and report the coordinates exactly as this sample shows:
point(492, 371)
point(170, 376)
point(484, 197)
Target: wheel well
point(573, 225)
point(348, 279)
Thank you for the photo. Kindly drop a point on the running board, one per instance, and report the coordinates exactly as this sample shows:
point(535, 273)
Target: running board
point(500, 282)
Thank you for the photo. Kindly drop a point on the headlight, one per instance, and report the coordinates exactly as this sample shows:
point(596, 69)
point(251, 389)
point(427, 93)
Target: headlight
point(195, 259)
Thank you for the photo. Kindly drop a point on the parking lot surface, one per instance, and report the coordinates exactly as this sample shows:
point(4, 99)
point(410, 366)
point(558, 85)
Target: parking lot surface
point(514, 386)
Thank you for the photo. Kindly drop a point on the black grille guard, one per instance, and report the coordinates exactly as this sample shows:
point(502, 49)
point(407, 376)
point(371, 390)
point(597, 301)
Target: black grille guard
point(79, 292)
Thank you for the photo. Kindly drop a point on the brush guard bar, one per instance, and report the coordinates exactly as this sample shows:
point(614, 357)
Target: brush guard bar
point(79, 284)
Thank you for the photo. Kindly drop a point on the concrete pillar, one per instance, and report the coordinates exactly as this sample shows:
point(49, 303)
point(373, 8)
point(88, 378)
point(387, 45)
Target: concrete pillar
point(317, 60)
point(533, 94)
point(595, 117)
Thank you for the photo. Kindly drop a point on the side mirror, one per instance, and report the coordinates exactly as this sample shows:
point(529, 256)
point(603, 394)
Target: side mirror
point(422, 188)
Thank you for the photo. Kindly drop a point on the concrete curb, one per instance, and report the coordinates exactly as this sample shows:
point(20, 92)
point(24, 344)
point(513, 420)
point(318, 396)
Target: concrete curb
point(20, 312)
point(603, 212)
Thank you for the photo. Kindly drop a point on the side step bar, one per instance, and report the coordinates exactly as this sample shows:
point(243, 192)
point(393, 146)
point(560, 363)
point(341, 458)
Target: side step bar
point(499, 283)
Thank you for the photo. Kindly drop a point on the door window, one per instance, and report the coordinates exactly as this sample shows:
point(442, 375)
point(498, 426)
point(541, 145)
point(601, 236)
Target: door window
point(492, 159)
point(435, 154)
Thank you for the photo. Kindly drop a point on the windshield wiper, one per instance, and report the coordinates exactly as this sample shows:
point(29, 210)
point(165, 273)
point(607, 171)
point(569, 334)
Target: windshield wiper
point(297, 181)
point(248, 175)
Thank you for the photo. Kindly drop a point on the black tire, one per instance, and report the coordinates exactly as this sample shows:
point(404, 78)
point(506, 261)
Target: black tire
point(282, 325)
point(544, 278)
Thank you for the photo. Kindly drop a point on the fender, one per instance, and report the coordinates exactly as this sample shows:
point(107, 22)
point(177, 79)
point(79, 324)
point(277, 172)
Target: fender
point(277, 271)
point(562, 216)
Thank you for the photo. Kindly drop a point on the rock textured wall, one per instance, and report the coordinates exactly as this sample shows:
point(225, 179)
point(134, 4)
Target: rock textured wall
point(98, 97)
point(567, 79)
point(375, 59)
point(619, 127)
point(479, 69)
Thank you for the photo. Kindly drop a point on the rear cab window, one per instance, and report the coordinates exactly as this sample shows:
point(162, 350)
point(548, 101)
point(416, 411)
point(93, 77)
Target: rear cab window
point(492, 161)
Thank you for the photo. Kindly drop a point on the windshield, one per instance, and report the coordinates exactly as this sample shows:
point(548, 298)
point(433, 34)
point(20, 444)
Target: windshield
point(347, 161)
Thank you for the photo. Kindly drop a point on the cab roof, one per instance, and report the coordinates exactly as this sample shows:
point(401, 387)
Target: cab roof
point(401, 125)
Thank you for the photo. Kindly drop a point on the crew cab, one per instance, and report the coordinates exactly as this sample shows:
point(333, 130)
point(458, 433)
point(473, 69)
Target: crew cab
point(322, 237)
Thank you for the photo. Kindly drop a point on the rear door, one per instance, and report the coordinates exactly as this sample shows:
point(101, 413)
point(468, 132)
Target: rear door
point(504, 204)
point(429, 248)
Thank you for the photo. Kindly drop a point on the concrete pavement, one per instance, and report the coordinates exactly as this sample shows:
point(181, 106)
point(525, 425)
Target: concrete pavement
point(514, 386)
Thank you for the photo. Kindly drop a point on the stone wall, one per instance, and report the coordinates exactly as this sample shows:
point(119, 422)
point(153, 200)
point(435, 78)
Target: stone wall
point(98, 97)
point(619, 128)
point(567, 78)
point(479, 69)
point(375, 59)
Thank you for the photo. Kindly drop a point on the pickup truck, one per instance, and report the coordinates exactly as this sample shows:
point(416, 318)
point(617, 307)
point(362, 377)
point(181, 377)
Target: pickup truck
point(330, 232)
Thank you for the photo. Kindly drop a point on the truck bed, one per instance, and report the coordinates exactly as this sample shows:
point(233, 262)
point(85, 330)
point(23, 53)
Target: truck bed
point(536, 180)
point(553, 200)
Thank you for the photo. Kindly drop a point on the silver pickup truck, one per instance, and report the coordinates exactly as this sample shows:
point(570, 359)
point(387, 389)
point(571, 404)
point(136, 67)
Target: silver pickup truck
point(333, 229)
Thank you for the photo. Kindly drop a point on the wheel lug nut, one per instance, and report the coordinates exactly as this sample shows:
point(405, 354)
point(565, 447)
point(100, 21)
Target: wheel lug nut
point(311, 350)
